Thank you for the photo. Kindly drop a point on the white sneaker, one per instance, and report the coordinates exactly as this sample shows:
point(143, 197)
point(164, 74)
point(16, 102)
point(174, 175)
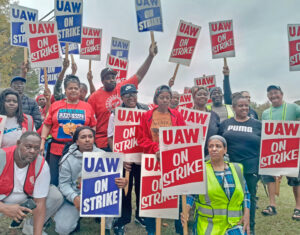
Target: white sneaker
point(28, 228)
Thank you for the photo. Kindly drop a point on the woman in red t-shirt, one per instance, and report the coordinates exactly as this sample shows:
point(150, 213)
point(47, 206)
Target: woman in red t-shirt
point(63, 118)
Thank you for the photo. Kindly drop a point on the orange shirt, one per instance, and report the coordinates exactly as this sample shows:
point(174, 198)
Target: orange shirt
point(159, 120)
point(103, 102)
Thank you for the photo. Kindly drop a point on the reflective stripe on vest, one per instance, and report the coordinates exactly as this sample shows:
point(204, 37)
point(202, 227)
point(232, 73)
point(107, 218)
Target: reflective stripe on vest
point(29, 122)
point(215, 212)
point(229, 110)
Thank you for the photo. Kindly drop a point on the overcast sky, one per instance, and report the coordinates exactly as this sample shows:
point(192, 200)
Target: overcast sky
point(260, 34)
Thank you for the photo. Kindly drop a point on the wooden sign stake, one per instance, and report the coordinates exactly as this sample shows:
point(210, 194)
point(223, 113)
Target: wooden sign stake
point(184, 210)
point(127, 173)
point(67, 50)
point(102, 226)
point(158, 226)
point(46, 78)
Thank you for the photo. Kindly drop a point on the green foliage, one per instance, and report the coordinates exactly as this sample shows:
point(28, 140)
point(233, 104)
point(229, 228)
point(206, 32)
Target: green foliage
point(259, 108)
point(32, 85)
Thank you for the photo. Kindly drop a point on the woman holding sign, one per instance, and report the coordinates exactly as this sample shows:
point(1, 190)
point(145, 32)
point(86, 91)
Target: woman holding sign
point(152, 120)
point(17, 122)
point(200, 96)
point(243, 135)
point(220, 210)
point(63, 118)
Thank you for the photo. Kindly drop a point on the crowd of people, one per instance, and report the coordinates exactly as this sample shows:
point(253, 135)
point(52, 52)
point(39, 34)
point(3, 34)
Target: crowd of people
point(44, 140)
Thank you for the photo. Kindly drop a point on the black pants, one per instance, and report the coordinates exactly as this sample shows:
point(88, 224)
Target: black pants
point(54, 169)
point(251, 180)
point(126, 200)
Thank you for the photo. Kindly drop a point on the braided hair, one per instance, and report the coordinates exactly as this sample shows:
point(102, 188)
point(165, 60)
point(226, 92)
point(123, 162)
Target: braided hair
point(19, 112)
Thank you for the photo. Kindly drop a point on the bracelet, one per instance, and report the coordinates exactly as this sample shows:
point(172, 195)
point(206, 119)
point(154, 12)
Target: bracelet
point(43, 138)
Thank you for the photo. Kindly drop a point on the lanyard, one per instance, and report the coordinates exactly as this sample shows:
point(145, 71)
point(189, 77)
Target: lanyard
point(283, 112)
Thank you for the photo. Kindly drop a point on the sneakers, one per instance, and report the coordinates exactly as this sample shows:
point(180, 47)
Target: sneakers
point(28, 228)
point(140, 221)
point(119, 230)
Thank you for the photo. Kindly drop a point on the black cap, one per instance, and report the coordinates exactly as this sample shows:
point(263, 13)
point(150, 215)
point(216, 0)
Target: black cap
point(106, 71)
point(128, 88)
point(17, 79)
point(273, 87)
point(215, 89)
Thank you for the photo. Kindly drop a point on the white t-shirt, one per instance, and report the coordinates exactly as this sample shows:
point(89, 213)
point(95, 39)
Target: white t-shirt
point(41, 186)
point(111, 125)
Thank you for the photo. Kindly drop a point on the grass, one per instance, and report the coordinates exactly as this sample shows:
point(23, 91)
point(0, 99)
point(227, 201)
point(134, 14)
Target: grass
point(281, 224)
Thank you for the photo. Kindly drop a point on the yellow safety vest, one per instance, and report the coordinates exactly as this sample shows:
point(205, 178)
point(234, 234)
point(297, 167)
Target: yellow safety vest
point(229, 110)
point(215, 212)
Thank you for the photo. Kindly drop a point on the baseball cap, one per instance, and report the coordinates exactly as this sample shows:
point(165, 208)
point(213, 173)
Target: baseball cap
point(17, 79)
point(128, 88)
point(107, 71)
point(273, 87)
point(215, 89)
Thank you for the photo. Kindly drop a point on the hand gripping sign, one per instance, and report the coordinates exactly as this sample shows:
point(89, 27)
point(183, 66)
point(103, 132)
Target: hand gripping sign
point(221, 36)
point(52, 75)
point(149, 15)
point(294, 46)
point(127, 122)
point(118, 64)
point(2, 125)
point(186, 100)
point(152, 202)
point(185, 42)
point(19, 15)
point(100, 195)
point(279, 150)
point(182, 161)
point(68, 15)
point(119, 47)
point(197, 118)
point(91, 44)
point(43, 44)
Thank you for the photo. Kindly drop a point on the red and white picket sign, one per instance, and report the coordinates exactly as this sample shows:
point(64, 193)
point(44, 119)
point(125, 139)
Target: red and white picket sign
point(197, 118)
point(280, 146)
point(185, 43)
point(127, 122)
point(152, 106)
point(118, 64)
point(182, 160)
point(206, 81)
point(91, 43)
point(221, 36)
point(43, 44)
point(186, 100)
point(294, 46)
point(187, 90)
point(152, 202)
point(2, 125)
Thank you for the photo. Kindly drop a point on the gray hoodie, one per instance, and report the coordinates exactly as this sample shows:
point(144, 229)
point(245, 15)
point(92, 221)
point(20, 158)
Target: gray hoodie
point(70, 170)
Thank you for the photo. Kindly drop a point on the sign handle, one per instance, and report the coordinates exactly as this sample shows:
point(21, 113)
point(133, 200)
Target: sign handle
point(225, 62)
point(277, 185)
point(158, 226)
point(90, 65)
point(152, 37)
point(175, 72)
point(67, 50)
point(102, 226)
point(184, 210)
point(127, 173)
point(25, 55)
point(46, 78)
point(72, 59)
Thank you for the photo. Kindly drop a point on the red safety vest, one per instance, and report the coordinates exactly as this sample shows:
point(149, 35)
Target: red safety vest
point(7, 172)
point(27, 124)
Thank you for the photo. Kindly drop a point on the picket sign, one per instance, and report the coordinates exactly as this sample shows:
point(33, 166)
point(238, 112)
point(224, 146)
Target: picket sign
point(68, 15)
point(19, 15)
point(43, 44)
point(2, 125)
point(187, 90)
point(294, 46)
point(119, 47)
point(185, 42)
point(99, 171)
point(52, 74)
point(280, 145)
point(193, 117)
point(118, 64)
point(152, 202)
point(186, 100)
point(208, 81)
point(91, 43)
point(73, 48)
point(221, 37)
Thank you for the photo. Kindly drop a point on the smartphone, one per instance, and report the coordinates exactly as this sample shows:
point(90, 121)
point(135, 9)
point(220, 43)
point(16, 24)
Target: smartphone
point(30, 204)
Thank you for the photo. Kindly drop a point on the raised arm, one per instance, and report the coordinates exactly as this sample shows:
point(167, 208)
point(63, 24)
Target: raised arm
point(90, 80)
point(57, 88)
point(226, 86)
point(146, 65)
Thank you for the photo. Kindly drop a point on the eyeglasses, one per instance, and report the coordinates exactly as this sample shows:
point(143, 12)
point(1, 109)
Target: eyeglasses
point(128, 95)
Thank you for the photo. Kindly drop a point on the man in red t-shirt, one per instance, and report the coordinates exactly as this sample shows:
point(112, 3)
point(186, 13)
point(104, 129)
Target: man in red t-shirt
point(106, 98)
